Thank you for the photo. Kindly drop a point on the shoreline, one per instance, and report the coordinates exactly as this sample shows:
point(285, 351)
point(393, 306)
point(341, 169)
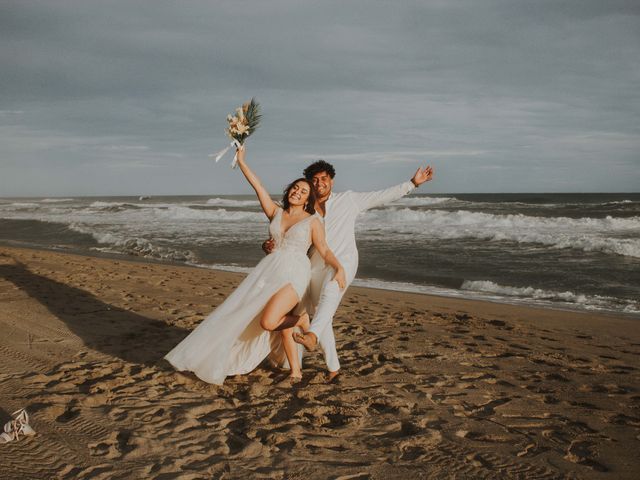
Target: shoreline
point(431, 387)
point(479, 296)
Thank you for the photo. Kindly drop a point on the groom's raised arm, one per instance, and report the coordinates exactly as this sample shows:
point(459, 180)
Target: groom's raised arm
point(367, 200)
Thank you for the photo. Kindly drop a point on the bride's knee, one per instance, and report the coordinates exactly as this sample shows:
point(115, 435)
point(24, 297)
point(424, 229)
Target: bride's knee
point(268, 323)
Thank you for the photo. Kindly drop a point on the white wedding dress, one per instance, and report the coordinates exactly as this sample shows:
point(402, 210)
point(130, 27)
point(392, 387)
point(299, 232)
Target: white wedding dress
point(230, 341)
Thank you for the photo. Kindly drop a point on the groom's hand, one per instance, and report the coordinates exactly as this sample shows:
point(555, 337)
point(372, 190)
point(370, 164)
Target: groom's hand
point(422, 175)
point(268, 245)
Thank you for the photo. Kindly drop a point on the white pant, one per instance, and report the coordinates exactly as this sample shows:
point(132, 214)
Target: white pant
point(325, 295)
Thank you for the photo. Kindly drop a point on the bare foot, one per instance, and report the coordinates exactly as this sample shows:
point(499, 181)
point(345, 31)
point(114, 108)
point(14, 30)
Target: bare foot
point(332, 376)
point(288, 382)
point(303, 322)
point(308, 340)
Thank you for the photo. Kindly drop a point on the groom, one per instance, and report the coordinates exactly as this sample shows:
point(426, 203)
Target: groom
point(339, 211)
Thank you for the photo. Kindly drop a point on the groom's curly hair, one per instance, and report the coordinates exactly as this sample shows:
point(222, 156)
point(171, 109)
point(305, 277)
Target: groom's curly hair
point(311, 201)
point(317, 167)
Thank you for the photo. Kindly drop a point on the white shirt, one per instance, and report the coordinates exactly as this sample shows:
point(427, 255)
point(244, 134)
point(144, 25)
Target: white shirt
point(341, 211)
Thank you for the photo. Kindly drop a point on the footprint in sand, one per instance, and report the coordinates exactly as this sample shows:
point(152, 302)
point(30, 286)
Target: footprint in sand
point(500, 324)
point(610, 388)
point(581, 452)
point(69, 413)
point(115, 446)
point(479, 411)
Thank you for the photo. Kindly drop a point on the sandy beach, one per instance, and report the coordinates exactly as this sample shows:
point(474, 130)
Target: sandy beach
point(431, 387)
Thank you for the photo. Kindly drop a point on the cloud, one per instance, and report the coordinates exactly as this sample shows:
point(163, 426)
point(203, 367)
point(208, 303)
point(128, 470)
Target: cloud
point(473, 86)
point(393, 158)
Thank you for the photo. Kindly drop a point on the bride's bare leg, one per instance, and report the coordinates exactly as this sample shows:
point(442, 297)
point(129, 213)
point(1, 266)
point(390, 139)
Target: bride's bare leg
point(291, 350)
point(304, 322)
point(290, 346)
point(275, 316)
point(290, 320)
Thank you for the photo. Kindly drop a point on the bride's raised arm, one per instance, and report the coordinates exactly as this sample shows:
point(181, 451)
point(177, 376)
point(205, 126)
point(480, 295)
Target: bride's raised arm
point(268, 205)
point(320, 243)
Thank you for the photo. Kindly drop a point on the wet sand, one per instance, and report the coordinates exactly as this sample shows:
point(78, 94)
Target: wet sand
point(431, 387)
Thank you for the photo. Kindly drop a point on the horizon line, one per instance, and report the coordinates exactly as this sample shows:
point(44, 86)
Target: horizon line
point(148, 195)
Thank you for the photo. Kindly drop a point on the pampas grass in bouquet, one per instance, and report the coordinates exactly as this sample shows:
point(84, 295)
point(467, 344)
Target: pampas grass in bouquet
point(241, 126)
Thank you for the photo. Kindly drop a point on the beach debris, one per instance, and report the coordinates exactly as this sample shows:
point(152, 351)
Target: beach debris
point(17, 426)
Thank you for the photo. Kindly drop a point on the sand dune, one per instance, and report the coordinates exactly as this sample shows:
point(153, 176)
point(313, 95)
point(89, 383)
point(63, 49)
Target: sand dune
point(431, 387)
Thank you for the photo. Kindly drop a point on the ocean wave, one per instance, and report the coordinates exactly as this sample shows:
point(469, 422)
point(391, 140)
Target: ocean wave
point(139, 247)
point(24, 204)
point(227, 202)
point(153, 212)
point(586, 301)
point(423, 201)
point(620, 202)
point(406, 287)
point(106, 204)
point(588, 234)
point(219, 215)
point(56, 200)
point(225, 268)
point(112, 205)
point(485, 290)
point(579, 204)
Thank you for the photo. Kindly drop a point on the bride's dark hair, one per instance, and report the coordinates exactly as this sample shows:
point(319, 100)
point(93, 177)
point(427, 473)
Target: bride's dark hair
point(311, 201)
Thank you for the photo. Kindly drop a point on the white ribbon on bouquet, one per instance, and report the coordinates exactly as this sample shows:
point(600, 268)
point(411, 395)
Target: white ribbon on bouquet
point(222, 153)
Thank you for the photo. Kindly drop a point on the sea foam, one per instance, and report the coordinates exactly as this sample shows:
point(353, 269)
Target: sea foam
point(227, 202)
point(588, 234)
point(594, 302)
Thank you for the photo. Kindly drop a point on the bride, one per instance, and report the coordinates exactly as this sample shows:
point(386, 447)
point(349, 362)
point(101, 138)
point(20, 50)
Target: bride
point(237, 335)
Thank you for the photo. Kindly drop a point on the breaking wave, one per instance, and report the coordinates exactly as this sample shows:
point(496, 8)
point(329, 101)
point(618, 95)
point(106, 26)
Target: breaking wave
point(598, 302)
point(227, 202)
point(177, 212)
point(138, 247)
point(588, 234)
point(186, 213)
point(24, 204)
point(423, 201)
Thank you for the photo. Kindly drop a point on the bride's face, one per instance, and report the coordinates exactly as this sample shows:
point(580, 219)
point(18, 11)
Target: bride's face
point(299, 193)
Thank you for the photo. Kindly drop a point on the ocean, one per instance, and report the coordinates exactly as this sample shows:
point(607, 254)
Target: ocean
point(569, 251)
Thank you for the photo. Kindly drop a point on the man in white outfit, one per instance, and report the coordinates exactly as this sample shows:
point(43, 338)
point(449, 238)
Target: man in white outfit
point(339, 211)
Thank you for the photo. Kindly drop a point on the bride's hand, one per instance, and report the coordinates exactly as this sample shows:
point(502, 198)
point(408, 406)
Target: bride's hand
point(240, 153)
point(341, 278)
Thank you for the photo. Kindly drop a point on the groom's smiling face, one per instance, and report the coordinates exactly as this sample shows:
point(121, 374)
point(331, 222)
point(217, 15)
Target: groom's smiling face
point(322, 184)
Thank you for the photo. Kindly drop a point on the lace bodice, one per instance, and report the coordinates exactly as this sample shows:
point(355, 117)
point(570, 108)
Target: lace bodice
point(297, 239)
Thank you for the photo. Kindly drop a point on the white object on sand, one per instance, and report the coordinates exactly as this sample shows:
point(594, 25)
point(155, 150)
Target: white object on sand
point(18, 425)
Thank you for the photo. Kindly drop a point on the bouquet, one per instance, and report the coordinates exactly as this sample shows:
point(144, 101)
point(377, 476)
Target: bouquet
point(241, 126)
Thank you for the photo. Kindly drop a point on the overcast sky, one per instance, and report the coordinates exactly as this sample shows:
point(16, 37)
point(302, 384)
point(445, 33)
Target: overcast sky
point(129, 97)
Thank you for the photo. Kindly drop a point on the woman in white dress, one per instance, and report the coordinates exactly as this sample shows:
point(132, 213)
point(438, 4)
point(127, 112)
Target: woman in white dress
point(238, 335)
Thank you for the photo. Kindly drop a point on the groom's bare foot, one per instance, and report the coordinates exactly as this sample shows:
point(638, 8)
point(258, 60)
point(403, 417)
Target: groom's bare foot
point(332, 376)
point(308, 340)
